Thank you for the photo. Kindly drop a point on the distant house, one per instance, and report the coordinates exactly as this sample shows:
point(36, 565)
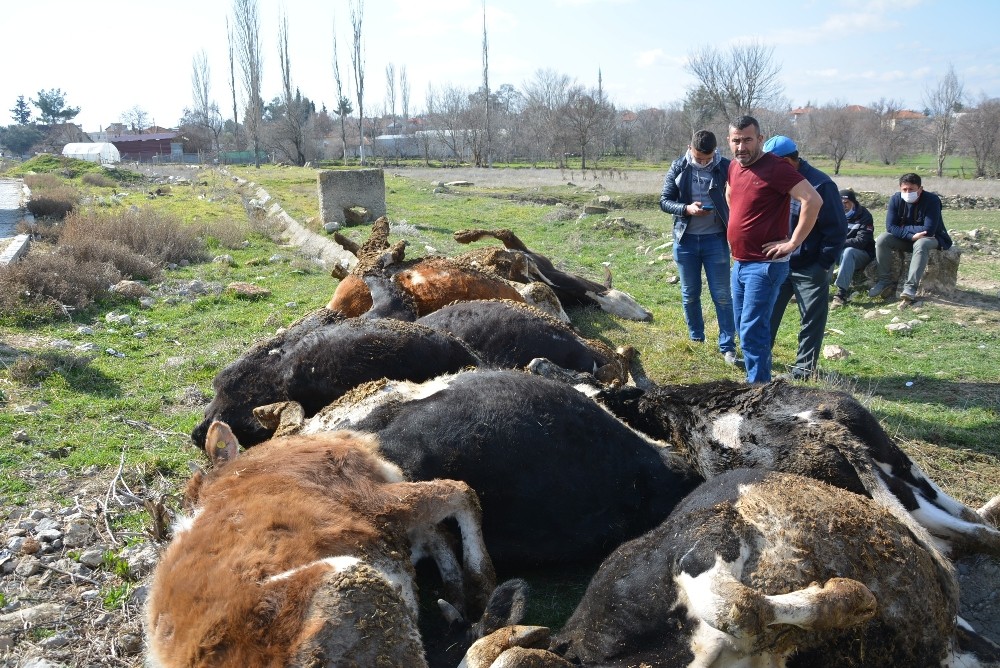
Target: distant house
point(148, 147)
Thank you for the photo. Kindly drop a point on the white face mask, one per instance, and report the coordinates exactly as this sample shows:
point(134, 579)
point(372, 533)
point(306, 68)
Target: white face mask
point(910, 197)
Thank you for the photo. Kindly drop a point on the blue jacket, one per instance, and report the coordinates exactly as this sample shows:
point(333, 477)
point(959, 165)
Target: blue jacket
point(826, 240)
point(677, 192)
point(904, 220)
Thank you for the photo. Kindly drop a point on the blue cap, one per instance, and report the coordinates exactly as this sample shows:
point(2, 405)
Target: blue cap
point(780, 145)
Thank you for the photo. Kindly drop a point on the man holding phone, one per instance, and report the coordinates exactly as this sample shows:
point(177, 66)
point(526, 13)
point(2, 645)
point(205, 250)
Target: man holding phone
point(694, 192)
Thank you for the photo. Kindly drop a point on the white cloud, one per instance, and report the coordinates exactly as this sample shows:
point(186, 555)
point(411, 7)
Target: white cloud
point(650, 58)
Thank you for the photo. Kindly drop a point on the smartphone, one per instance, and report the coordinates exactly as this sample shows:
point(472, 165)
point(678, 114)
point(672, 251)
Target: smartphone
point(707, 206)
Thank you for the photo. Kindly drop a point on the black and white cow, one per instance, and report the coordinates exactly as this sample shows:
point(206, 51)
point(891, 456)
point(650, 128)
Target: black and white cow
point(759, 568)
point(823, 434)
point(559, 478)
point(321, 357)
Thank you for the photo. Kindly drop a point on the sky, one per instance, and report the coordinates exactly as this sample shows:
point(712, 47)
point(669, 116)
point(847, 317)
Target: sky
point(109, 56)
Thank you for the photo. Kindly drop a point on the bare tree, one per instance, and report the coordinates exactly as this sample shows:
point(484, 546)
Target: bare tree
point(231, 40)
point(449, 113)
point(205, 112)
point(390, 102)
point(883, 131)
point(944, 101)
point(587, 119)
point(135, 118)
point(358, 65)
point(834, 130)
point(404, 94)
point(247, 36)
point(344, 106)
point(737, 82)
point(486, 92)
point(295, 117)
point(545, 96)
point(978, 132)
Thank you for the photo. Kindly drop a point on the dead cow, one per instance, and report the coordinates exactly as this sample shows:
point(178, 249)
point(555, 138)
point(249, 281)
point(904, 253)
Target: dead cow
point(823, 434)
point(508, 334)
point(517, 263)
point(315, 364)
point(559, 478)
point(299, 553)
point(758, 568)
point(429, 283)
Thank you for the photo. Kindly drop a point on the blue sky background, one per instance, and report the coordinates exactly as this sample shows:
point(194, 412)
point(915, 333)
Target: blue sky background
point(111, 55)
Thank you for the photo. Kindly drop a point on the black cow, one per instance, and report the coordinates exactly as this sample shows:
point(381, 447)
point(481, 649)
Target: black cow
point(758, 568)
point(559, 478)
point(823, 434)
point(320, 358)
point(509, 334)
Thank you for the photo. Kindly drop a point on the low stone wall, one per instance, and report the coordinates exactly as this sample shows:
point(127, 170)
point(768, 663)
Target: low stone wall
point(874, 200)
point(343, 189)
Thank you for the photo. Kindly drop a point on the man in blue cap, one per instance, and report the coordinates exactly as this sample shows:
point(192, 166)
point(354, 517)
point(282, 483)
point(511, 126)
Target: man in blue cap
point(811, 264)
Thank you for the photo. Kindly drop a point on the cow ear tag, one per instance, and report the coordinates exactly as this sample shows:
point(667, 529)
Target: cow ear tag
point(221, 444)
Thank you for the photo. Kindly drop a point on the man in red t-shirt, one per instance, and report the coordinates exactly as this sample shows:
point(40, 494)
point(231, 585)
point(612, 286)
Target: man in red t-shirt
point(759, 192)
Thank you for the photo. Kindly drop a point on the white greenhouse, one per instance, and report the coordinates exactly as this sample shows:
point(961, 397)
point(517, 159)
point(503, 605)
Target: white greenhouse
point(102, 152)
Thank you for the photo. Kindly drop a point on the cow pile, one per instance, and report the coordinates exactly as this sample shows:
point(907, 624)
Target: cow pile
point(432, 416)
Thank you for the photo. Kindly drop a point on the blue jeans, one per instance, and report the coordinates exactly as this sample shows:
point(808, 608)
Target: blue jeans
point(755, 289)
point(851, 260)
point(711, 251)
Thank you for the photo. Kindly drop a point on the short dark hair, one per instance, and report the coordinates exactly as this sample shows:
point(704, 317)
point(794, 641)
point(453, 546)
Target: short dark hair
point(744, 122)
point(704, 141)
point(911, 178)
point(794, 155)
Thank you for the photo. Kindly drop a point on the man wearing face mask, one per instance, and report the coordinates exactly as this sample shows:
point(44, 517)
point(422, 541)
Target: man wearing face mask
point(694, 192)
point(859, 247)
point(914, 224)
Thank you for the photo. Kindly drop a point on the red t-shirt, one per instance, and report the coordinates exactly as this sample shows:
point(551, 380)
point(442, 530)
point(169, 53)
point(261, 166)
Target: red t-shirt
point(759, 205)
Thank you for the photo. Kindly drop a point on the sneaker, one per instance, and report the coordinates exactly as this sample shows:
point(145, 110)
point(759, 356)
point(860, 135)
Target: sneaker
point(880, 289)
point(730, 357)
point(840, 299)
point(908, 294)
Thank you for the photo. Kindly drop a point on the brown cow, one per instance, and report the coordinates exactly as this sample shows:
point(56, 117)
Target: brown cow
point(299, 553)
point(430, 282)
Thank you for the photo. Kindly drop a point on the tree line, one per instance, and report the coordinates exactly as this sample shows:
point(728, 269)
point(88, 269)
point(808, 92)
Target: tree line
point(550, 119)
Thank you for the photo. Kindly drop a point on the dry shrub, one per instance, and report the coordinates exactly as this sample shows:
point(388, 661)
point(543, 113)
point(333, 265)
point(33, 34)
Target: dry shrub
point(129, 263)
point(31, 369)
point(43, 181)
point(55, 202)
point(156, 235)
point(41, 229)
point(99, 180)
point(230, 233)
point(40, 282)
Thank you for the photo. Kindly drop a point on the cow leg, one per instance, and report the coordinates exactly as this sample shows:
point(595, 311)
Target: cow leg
point(430, 542)
point(990, 511)
point(423, 504)
point(960, 534)
point(724, 603)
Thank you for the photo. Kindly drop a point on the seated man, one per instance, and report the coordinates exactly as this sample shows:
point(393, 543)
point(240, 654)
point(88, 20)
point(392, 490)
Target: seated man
point(859, 247)
point(913, 223)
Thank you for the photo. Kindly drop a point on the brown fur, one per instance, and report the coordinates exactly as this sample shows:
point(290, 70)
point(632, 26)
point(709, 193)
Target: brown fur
point(283, 505)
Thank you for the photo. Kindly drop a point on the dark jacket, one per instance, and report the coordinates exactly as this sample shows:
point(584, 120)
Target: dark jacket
point(677, 192)
point(826, 240)
point(903, 220)
point(861, 231)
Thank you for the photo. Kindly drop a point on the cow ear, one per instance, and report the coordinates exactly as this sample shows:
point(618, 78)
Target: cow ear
point(220, 443)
